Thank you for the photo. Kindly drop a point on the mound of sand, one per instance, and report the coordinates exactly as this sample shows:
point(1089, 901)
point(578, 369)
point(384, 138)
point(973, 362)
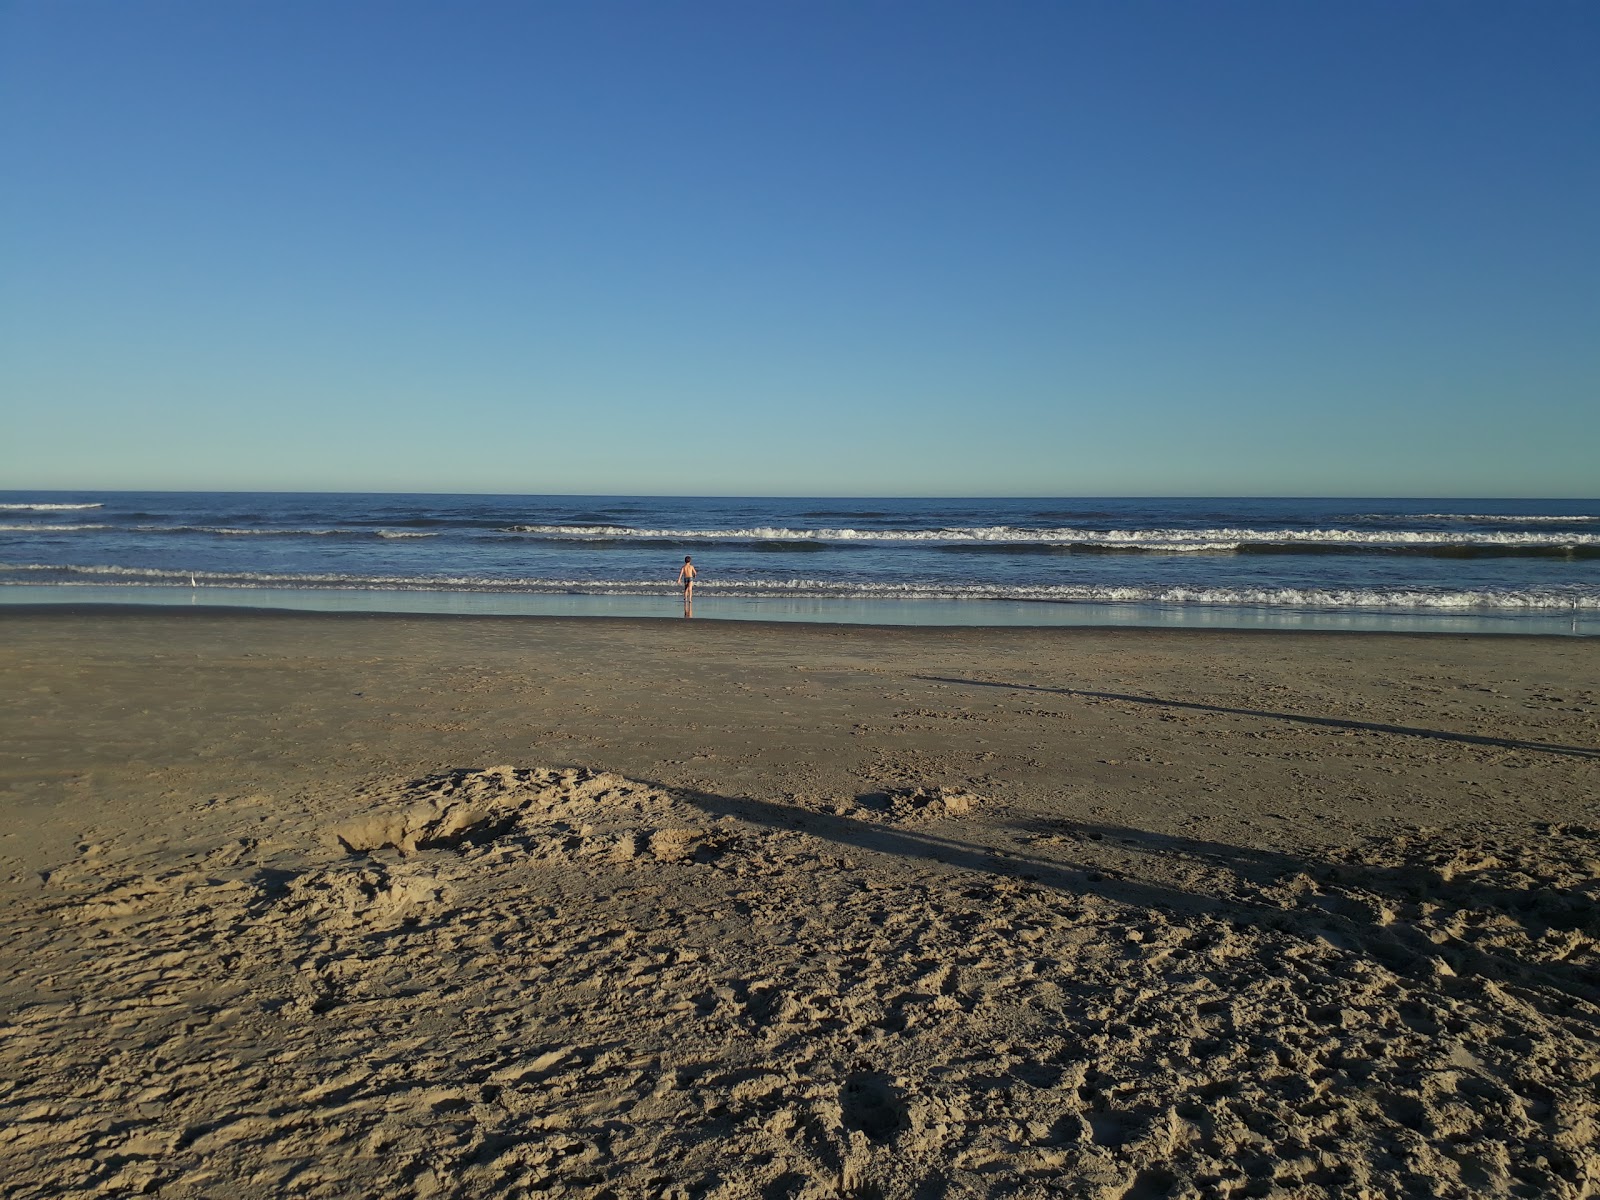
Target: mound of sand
point(530, 982)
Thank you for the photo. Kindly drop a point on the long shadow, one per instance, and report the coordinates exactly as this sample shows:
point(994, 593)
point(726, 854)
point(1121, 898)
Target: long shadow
point(1442, 735)
point(1402, 947)
point(1417, 882)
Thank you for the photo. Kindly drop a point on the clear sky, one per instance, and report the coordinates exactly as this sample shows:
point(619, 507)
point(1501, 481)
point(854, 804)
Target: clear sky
point(868, 248)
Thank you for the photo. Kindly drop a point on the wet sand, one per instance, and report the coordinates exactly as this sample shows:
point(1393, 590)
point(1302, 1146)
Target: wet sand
point(350, 905)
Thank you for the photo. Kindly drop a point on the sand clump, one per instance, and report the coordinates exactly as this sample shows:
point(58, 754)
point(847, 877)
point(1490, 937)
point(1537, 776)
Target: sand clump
point(533, 982)
point(911, 804)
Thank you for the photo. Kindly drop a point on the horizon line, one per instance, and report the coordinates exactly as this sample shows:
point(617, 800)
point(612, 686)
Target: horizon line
point(786, 495)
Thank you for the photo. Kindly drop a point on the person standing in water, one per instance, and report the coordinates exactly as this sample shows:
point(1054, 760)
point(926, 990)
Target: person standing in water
point(686, 581)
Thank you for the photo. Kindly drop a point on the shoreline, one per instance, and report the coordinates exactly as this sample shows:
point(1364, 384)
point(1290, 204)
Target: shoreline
point(339, 902)
point(879, 612)
point(67, 610)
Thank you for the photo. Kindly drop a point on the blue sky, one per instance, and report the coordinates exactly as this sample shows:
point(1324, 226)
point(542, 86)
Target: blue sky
point(802, 248)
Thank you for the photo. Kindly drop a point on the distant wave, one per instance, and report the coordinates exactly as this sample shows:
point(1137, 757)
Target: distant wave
point(1069, 548)
point(1485, 518)
point(1166, 541)
point(50, 528)
point(44, 507)
point(1546, 543)
point(223, 531)
point(991, 539)
point(1396, 599)
point(1565, 548)
point(824, 513)
point(235, 531)
point(656, 544)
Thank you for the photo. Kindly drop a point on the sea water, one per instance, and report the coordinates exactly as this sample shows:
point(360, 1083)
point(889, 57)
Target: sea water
point(1466, 565)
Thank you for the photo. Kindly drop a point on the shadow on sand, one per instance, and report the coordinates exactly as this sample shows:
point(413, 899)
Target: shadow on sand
point(1393, 914)
point(1442, 735)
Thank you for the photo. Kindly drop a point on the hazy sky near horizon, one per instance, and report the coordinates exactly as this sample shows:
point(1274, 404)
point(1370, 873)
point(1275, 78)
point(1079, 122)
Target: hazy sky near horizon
point(1135, 248)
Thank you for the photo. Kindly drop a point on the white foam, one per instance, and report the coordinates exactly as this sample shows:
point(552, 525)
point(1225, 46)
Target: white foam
point(1488, 518)
point(1401, 599)
point(50, 528)
point(235, 531)
point(1219, 540)
point(1168, 540)
point(44, 507)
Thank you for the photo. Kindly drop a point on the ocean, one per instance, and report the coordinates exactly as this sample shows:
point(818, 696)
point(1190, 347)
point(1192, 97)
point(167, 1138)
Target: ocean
point(1456, 565)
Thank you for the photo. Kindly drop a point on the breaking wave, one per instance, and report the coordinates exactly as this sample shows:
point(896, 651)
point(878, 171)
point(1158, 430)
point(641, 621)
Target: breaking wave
point(1007, 538)
point(45, 507)
point(1487, 518)
point(236, 531)
point(981, 539)
point(1390, 599)
point(50, 528)
point(222, 531)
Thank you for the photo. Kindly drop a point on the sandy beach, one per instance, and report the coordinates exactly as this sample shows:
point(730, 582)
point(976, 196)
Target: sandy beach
point(335, 906)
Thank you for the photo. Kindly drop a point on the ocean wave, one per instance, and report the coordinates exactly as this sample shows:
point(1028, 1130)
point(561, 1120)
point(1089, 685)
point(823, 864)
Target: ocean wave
point(45, 507)
point(1367, 599)
point(1486, 518)
point(50, 528)
point(1069, 548)
point(289, 533)
point(1166, 540)
point(865, 515)
point(1565, 548)
point(222, 531)
point(997, 539)
point(235, 531)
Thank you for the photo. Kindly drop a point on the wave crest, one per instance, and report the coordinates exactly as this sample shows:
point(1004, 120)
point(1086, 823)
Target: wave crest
point(1165, 540)
point(45, 507)
point(1393, 599)
point(50, 528)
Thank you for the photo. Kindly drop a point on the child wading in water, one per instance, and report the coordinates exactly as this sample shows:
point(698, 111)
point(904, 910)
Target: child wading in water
point(686, 579)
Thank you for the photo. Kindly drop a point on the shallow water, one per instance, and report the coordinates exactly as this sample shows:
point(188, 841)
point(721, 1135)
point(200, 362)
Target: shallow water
point(1470, 565)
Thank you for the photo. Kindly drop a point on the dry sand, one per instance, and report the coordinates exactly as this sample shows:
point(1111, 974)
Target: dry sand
point(385, 906)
